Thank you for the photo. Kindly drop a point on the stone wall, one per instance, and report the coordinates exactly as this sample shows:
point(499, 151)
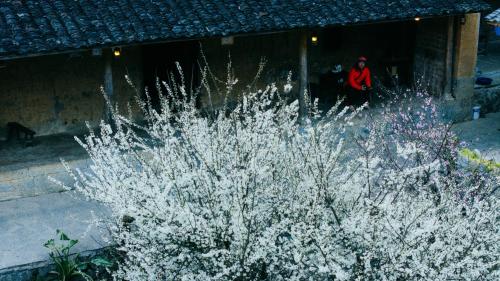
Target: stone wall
point(488, 99)
point(58, 93)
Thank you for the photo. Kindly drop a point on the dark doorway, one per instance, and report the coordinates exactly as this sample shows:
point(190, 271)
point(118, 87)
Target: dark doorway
point(159, 61)
point(389, 47)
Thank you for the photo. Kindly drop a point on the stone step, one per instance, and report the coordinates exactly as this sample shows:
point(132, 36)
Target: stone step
point(29, 272)
point(488, 98)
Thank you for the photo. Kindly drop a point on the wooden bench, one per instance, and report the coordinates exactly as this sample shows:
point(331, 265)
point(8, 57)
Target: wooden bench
point(15, 129)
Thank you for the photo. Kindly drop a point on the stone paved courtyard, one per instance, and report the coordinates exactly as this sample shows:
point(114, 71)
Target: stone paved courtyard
point(482, 134)
point(27, 223)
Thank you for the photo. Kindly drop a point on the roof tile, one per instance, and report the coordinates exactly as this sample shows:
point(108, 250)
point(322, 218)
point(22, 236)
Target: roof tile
point(31, 27)
point(494, 17)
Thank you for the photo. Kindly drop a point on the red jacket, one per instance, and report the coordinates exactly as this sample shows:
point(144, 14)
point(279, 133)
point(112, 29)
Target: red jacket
point(358, 78)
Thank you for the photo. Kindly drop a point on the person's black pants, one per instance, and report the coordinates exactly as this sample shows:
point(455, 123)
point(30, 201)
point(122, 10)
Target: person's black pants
point(357, 98)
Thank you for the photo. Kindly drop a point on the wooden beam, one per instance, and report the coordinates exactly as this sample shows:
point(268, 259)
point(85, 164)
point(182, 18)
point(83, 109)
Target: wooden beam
point(303, 74)
point(108, 83)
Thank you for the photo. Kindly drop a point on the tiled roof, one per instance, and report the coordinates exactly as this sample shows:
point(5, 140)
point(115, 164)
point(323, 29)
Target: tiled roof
point(31, 27)
point(494, 17)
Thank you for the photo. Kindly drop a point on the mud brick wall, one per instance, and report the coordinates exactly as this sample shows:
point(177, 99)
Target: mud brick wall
point(430, 53)
point(383, 44)
point(58, 93)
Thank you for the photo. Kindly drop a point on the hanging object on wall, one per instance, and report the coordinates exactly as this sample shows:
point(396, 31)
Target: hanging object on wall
point(96, 52)
point(14, 131)
point(494, 19)
point(229, 40)
point(462, 19)
point(117, 51)
point(314, 39)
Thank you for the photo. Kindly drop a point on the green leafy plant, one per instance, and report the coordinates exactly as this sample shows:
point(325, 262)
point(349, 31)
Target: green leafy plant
point(67, 266)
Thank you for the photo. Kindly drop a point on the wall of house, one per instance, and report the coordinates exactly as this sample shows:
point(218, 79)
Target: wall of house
point(445, 60)
point(385, 45)
point(58, 93)
point(439, 54)
point(279, 50)
point(431, 47)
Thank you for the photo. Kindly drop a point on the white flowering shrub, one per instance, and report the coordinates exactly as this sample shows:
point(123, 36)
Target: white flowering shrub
point(434, 209)
point(256, 193)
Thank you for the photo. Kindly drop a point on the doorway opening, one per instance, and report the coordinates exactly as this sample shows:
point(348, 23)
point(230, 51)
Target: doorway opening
point(159, 63)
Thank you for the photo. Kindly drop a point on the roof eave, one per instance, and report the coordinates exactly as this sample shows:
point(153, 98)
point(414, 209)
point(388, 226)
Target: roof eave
point(170, 40)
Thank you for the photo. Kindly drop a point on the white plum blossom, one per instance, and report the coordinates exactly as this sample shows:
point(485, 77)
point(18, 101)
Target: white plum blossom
point(254, 192)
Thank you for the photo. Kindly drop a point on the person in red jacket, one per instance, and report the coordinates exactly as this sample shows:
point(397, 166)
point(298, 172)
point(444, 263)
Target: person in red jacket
point(360, 83)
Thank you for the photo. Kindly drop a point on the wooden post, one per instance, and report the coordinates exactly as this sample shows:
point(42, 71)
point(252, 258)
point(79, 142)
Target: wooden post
point(450, 44)
point(466, 45)
point(303, 73)
point(108, 84)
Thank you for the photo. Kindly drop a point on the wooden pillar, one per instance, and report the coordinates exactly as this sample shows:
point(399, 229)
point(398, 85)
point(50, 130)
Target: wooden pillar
point(450, 57)
point(466, 45)
point(108, 84)
point(464, 65)
point(303, 73)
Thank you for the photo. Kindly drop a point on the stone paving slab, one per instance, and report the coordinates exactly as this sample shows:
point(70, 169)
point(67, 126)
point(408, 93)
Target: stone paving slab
point(27, 223)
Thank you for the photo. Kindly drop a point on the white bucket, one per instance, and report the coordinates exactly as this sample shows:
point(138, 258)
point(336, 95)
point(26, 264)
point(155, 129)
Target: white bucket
point(475, 112)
